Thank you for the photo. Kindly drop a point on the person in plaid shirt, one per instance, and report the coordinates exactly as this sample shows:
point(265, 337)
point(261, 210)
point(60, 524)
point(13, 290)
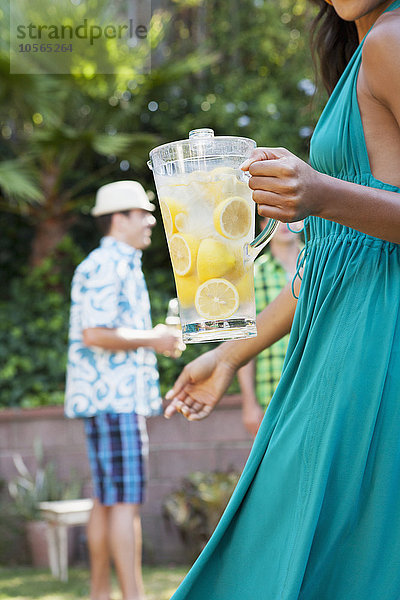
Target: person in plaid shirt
point(259, 378)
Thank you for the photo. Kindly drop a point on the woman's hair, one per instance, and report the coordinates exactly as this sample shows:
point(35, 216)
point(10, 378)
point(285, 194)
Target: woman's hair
point(333, 42)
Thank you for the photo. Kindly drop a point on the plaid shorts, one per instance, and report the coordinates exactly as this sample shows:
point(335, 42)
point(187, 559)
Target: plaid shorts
point(118, 451)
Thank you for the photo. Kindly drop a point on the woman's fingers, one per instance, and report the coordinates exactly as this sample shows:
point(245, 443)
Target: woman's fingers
point(264, 155)
point(176, 404)
point(283, 167)
point(185, 404)
point(179, 384)
point(191, 409)
point(200, 414)
point(186, 411)
point(197, 406)
point(283, 187)
point(257, 155)
point(275, 206)
point(276, 188)
point(271, 212)
point(172, 408)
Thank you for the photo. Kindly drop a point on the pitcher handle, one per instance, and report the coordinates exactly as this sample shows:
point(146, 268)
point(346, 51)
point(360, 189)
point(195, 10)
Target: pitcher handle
point(253, 248)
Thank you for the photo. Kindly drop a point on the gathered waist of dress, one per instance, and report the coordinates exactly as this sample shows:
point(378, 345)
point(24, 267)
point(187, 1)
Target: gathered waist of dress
point(320, 231)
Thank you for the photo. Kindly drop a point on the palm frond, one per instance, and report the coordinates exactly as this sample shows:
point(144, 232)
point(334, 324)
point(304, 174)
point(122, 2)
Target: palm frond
point(112, 144)
point(178, 69)
point(18, 182)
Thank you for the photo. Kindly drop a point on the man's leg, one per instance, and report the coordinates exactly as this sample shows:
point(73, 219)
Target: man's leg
point(99, 551)
point(126, 549)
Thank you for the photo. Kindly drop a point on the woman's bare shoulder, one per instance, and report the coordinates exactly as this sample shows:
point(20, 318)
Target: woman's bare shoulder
point(381, 59)
point(384, 36)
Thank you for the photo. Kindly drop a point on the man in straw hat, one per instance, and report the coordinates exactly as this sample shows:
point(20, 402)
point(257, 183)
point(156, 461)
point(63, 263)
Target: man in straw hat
point(112, 380)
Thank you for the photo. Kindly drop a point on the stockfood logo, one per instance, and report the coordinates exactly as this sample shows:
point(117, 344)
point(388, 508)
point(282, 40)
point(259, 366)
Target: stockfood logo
point(79, 37)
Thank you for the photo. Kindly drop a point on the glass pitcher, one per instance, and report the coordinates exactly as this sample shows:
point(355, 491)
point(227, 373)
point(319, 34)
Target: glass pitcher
point(209, 221)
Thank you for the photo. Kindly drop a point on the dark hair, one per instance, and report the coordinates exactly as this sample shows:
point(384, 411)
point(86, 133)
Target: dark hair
point(333, 42)
point(104, 221)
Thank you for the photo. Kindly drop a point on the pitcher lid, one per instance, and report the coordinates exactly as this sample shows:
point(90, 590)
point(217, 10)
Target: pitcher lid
point(204, 138)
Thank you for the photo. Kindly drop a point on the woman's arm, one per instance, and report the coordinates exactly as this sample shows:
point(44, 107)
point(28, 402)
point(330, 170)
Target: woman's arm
point(203, 382)
point(288, 189)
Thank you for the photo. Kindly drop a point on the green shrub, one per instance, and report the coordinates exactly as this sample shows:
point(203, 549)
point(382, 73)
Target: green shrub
point(34, 332)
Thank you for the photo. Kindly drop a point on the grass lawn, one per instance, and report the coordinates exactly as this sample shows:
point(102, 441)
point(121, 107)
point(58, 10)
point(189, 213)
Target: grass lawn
point(24, 583)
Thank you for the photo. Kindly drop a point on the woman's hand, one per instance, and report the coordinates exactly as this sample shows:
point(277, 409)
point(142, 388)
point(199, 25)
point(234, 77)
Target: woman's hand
point(284, 187)
point(200, 386)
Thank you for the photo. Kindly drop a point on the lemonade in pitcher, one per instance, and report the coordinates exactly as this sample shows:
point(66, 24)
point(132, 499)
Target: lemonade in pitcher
point(209, 221)
point(208, 218)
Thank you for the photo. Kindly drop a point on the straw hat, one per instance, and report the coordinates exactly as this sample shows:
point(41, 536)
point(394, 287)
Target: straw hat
point(120, 196)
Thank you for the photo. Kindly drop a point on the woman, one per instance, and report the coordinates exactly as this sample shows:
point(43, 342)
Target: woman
point(315, 515)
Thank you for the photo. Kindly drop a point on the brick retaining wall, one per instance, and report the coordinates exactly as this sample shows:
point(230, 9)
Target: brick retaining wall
point(177, 448)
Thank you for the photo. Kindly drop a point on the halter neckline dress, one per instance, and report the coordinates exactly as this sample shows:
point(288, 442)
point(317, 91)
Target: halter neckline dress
point(315, 515)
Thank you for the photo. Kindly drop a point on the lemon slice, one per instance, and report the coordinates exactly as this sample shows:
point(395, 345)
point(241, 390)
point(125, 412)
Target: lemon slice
point(181, 222)
point(170, 208)
point(214, 259)
point(233, 218)
point(183, 250)
point(216, 299)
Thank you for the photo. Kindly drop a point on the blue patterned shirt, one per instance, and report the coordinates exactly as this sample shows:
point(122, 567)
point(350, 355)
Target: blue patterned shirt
point(109, 290)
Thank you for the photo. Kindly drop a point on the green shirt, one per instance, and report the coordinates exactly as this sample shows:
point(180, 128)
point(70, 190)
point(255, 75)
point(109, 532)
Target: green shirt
point(269, 279)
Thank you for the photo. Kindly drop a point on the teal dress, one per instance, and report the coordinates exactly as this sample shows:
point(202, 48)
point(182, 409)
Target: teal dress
point(316, 513)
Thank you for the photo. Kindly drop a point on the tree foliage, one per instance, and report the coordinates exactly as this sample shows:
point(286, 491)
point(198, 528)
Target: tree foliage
point(241, 67)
